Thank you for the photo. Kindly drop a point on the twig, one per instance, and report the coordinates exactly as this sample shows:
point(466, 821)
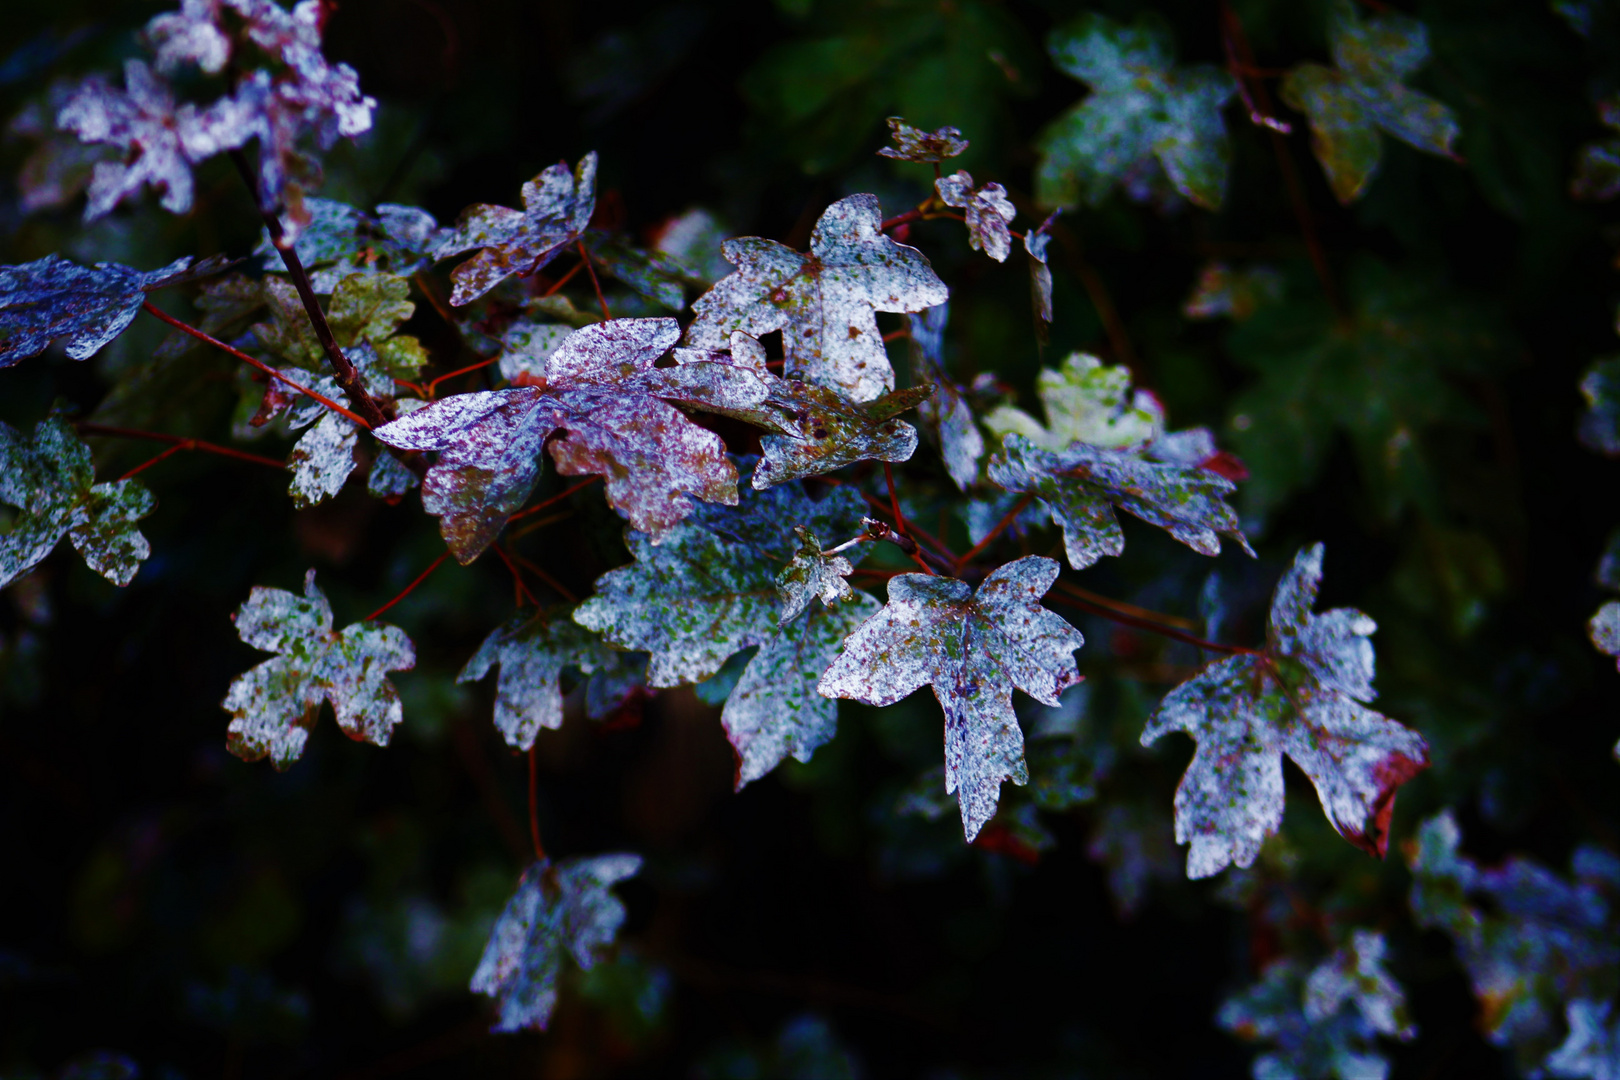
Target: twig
point(940, 550)
point(179, 442)
point(1074, 596)
point(407, 590)
point(518, 587)
point(344, 371)
point(877, 530)
point(534, 810)
point(558, 587)
point(542, 504)
point(565, 279)
point(989, 537)
point(432, 386)
point(591, 269)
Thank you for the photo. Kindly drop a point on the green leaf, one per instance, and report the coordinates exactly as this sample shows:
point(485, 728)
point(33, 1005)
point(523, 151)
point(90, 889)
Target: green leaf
point(274, 706)
point(561, 911)
point(1147, 126)
point(810, 574)
point(1302, 696)
point(50, 479)
point(1085, 401)
point(531, 650)
point(824, 302)
point(973, 646)
point(1349, 104)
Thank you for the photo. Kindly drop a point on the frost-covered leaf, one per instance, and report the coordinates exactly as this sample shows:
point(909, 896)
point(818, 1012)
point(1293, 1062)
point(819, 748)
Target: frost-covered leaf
point(947, 411)
point(811, 574)
point(50, 479)
point(159, 144)
point(322, 459)
point(1600, 424)
point(1302, 696)
point(1147, 126)
point(557, 205)
point(561, 911)
point(926, 147)
point(1222, 290)
point(1592, 1049)
point(1085, 401)
point(274, 706)
point(531, 650)
point(340, 241)
point(365, 310)
point(602, 390)
point(53, 298)
point(1535, 943)
point(1327, 1027)
point(59, 167)
point(987, 209)
point(1083, 484)
point(824, 302)
point(1349, 104)
point(526, 346)
point(389, 479)
point(1036, 242)
point(973, 647)
point(648, 273)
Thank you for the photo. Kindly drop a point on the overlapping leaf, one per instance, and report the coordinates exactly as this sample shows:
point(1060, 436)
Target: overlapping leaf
point(986, 209)
point(531, 650)
point(1350, 103)
point(1597, 170)
point(812, 573)
point(561, 911)
point(274, 706)
point(1599, 428)
point(1302, 696)
point(824, 302)
point(53, 298)
point(973, 647)
point(1148, 126)
point(926, 147)
point(557, 205)
point(340, 241)
point(50, 479)
point(710, 590)
point(947, 411)
point(1085, 401)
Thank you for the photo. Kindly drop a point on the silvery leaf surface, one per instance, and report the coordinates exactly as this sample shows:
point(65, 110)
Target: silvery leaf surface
point(812, 574)
point(274, 705)
point(531, 650)
point(1304, 697)
point(322, 459)
point(557, 206)
point(974, 646)
point(339, 241)
point(49, 478)
point(987, 209)
point(926, 147)
point(824, 302)
point(947, 411)
point(563, 911)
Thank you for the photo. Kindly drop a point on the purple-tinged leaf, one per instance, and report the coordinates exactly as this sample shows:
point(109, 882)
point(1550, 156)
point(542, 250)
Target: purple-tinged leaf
point(973, 647)
point(158, 142)
point(987, 209)
point(531, 650)
point(561, 911)
point(274, 706)
point(557, 205)
point(925, 147)
point(1592, 1048)
point(1302, 697)
point(824, 302)
point(947, 411)
point(1036, 242)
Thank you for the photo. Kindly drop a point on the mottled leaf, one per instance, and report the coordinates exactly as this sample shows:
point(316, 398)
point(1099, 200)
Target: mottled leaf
point(53, 298)
point(973, 647)
point(159, 144)
point(1301, 696)
point(824, 302)
point(557, 205)
point(561, 911)
point(389, 479)
point(1148, 126)
point(323, 458)
point(1604, 630)
point(1083, 484)
point(1222, 290)
point(926, 147)
point(50, 478)
point(810, 574)
point(365, 310)
point(340, 241)
point(525, 348)
point(947, 411)
point(1085, 401)
point(1347, 105)
point(648, 273)
point(531, 650)
point(602, 390)
point(1036, 242)
point(987, 209)
point(274, 706)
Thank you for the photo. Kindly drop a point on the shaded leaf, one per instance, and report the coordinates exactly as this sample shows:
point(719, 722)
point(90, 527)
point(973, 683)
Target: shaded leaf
point(1302, 696)
point(1147, 126)
point(531, 650)
point(1085, 401)
point(274, 706)
point(926, 147)
point(159, 145)
point(561, 911)
point(50, 479)
point(824, 302)
point(987, 209)
point(1592, 1048)
point(1036, 242)
point(1600, 424)
point(1597, 169)
point(947, 411)
point(973, 647)
point(557, 205)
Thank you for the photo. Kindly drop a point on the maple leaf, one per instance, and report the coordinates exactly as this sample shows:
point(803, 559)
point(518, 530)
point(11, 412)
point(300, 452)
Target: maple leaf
point(274, 706)
point(711, 590)
point(51, 480)
point(160, 145)
point(1085, 401)
point(323, 457)
point(1302, 696)
point(1592, 1048)
point(973, 647)
point(1083, 484)
point(602, 390)
point(824, 302)
point(1349, 104)
point(562, 910)
point(59, 167)
point(1145, 123)
point(812, 573)
point(557, 205)
point(925, 147)
point(531, 651)
point(987, 209)
point(53, 298)
point(947, 411)
point(340, 241)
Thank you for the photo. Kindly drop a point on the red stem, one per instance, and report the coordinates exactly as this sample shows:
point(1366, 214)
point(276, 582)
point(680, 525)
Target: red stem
point(561, 590)
point(560, 282)
point(519, 588)
point(407, 590)
point(600, 299)
point(534, 810)
point(143, 466)
point(559, 497)
point(1109, 609)
point(989, 537)
point(432, 386)
point(180, 443)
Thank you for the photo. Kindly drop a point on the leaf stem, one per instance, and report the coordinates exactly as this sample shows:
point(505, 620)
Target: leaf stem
point(989, 537)
point(558, 587)
point(180, 442)
point(344, 371)
point(565, 279)
point(520, 589)
point(542, 504)
point(1130, 615)
point(591, 269)
point(423, 576)
point(432, 386)
point(534, 809)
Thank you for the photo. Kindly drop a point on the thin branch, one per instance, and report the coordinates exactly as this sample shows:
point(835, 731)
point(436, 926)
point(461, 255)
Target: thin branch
point(558, 587)
point(1085, 600)
point(433, 386)
point(989, 537)
point(940, 550)
point(179, 442)
point(543, 503)
point(565, 279)
point(159, 313)
point(423, 576)
point(518, 586)
point(344, 371)
point(591, 268)
point(877, 530)
point(534, 810)
point(143, 466)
